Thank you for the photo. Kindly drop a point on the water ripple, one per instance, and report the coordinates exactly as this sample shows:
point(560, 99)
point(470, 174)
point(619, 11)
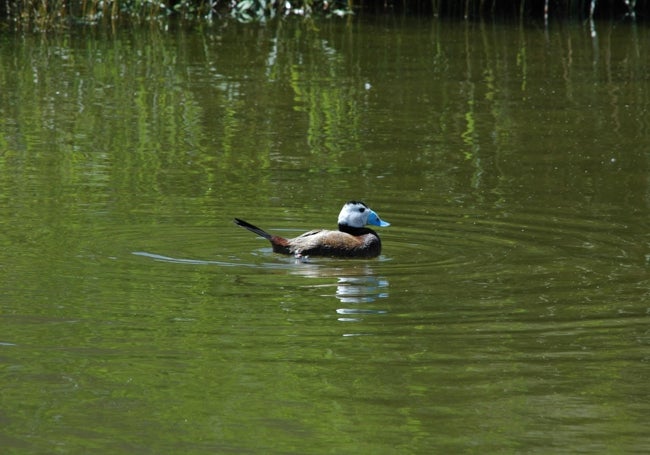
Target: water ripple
point(462, 242)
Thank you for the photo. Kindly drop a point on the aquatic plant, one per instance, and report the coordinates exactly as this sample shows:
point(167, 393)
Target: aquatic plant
point(46, 14)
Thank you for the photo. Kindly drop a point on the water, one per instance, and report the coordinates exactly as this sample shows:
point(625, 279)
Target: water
point(508, 311)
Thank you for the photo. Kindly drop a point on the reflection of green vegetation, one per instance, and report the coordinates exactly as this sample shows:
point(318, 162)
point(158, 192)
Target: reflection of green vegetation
point(251, 110)
point(107, 113)
point(328, 101)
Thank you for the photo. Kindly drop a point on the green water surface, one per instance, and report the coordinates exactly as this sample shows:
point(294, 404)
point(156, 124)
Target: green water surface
point(508, 312)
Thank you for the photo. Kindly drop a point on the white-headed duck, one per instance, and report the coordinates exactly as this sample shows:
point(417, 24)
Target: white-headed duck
point(352, 240)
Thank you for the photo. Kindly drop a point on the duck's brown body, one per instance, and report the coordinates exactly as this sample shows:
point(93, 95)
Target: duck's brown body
point(352, 240)
point(346, 242)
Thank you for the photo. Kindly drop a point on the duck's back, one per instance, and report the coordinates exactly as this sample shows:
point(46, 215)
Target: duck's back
point(323, 242)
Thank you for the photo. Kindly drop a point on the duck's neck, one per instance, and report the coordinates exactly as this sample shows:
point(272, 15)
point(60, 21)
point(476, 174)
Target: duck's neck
point(356, 231)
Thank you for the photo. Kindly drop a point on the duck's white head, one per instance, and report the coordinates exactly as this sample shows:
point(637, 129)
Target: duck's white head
point(357, 214)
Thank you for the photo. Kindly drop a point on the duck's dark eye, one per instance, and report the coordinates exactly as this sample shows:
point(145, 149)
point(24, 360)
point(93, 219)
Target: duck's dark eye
point(362, 209)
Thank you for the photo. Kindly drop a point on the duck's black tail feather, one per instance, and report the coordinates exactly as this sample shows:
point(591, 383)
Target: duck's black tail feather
point(252, 228)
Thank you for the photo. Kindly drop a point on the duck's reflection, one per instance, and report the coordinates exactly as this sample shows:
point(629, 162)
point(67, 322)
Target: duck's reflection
point(356, 287)
point(361, 289)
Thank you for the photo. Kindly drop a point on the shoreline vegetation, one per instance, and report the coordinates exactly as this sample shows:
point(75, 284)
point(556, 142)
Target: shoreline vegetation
point(54, 14)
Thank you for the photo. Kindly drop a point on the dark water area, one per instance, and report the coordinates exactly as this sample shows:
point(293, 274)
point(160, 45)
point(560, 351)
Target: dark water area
point(508, 311)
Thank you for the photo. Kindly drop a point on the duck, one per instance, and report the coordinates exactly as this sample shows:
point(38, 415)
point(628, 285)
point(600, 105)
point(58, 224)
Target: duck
point(351, 240)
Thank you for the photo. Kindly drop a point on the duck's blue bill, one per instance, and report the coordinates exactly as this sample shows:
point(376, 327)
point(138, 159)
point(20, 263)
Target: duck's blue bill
point(375, 220)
